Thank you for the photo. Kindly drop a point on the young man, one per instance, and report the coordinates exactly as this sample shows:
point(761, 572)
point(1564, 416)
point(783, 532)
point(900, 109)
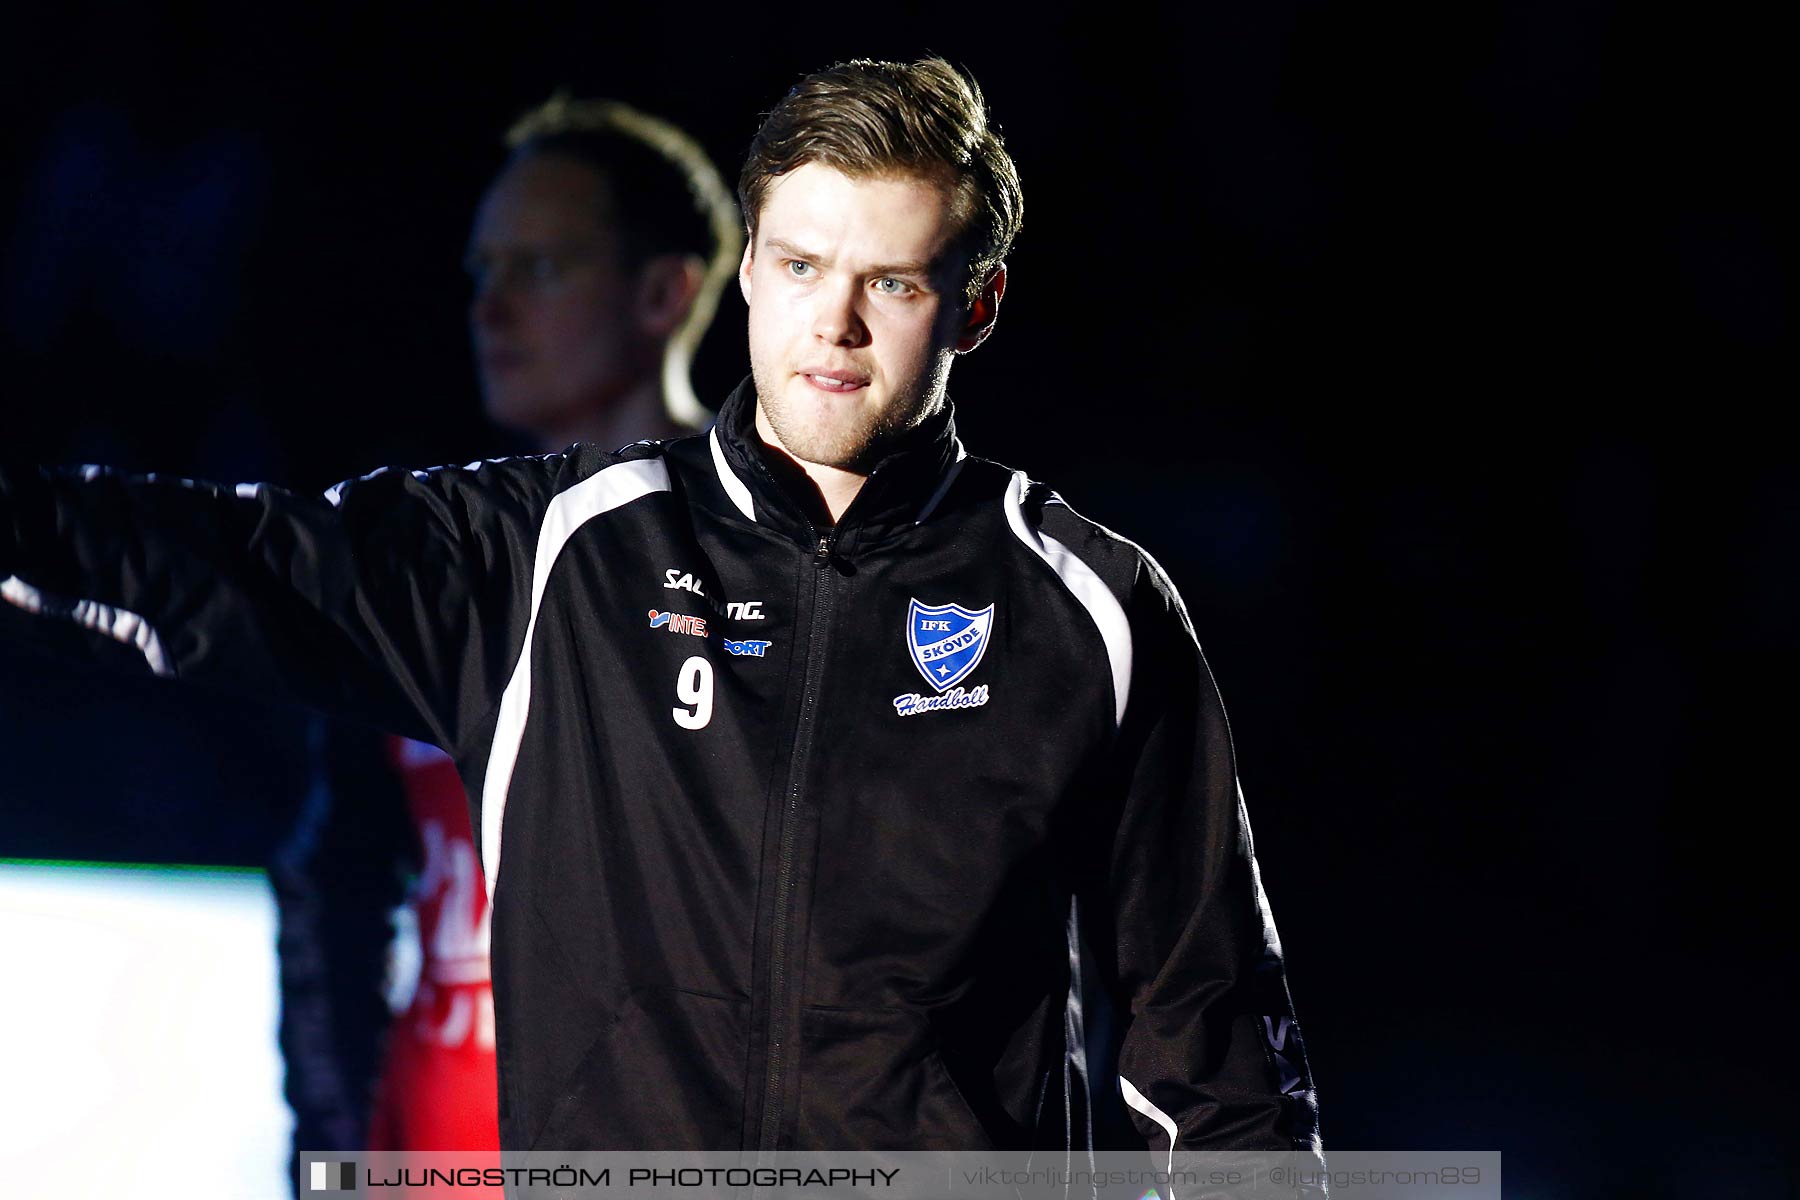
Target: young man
point(808, 756)
point(598, 254)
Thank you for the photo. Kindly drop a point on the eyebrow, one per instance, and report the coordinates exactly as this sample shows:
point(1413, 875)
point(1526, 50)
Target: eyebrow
point(921, 269)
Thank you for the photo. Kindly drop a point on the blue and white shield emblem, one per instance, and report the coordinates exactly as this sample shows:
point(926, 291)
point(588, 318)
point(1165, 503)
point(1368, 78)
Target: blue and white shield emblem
point(947, 640)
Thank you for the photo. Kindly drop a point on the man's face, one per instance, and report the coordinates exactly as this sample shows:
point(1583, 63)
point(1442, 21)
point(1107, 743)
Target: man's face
point(855, 310)
point(552, 321)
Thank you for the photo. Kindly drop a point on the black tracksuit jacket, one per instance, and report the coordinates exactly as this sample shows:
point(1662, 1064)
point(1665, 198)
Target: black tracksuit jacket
point(916, 833)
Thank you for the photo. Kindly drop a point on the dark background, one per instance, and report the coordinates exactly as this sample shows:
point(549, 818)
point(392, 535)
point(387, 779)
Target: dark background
point(1433, 352)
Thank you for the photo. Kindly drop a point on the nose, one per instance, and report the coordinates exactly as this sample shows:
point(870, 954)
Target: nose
point(490, 307)
point(836, 319)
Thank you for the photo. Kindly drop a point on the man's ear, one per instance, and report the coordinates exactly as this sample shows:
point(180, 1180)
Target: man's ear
point(744, 269)
point(667, 287)
point(983, 313)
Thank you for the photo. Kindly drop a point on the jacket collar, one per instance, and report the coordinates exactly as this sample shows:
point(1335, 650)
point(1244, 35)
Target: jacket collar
point(902, 491)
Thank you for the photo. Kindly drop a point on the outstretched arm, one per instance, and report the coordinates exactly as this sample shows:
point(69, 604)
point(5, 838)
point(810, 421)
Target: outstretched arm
point(399, 599)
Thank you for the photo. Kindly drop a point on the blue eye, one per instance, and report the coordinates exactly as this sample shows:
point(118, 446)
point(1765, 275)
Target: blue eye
point(890, 286)
point(797, 267)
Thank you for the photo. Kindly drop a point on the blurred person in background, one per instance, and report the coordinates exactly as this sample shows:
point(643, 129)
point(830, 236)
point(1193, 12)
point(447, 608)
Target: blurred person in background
point(597, 257)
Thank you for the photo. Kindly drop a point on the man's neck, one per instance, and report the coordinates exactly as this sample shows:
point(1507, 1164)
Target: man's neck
point(836, 486)
point(642, 412)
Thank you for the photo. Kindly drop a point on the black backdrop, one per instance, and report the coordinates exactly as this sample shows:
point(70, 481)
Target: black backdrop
point(1432, 352)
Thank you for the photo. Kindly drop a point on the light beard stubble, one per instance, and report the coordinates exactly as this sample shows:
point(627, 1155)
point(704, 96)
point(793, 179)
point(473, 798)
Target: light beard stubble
point(858, 446)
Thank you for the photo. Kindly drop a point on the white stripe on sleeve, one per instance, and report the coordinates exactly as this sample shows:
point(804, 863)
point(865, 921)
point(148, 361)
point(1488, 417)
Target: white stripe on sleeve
point(601, 492)
point(118, 624)
point(1142, 1103)
point(1079, 578)
point(734, 487)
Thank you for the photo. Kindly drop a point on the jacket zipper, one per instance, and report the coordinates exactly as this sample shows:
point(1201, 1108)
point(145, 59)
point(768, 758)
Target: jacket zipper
point(818, 634)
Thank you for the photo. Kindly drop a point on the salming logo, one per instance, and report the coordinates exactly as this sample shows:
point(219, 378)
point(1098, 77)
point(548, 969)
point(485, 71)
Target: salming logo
point(675, 577)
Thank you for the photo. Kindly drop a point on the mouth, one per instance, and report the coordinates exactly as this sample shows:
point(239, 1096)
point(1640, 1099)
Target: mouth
point(836, 382)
